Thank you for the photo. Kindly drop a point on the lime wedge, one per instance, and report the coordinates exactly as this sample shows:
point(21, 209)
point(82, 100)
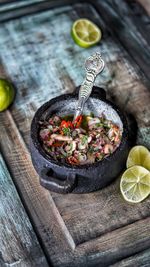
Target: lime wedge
point(85, 33)
point(7, 94)
point(139, 155)
point(135, 184)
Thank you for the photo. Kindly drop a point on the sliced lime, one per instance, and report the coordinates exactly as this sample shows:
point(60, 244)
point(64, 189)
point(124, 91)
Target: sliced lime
point(139, 155)
point(85, 33)
point(135, 184)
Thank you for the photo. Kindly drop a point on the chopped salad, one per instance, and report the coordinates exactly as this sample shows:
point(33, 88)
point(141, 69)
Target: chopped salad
point(86, 140)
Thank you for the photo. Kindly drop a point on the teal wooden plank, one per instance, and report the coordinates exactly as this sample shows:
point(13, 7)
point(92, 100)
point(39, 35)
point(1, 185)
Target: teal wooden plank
point(6, 6)
point(31, 7)
point(41, 53)
point(127, 32)
point(43, 61)
point(19, 246)
point(138, 260)
point(38, 54)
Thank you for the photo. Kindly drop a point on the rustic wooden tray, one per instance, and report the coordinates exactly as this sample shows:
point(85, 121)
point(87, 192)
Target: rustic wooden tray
point(39, 56)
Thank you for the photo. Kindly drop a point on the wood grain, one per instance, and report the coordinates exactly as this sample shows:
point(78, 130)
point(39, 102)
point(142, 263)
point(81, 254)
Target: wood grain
point(94, 229)
point(62, 68)
point(10, 4)
point(46, 219)
point(133, 97)
point(126, 32)
point(145, 4)
point(32, 7)
point(92, 215)
point(138, 260)
point(114, 245)
point(49, 224)
point(138, 17)
point(18, 242)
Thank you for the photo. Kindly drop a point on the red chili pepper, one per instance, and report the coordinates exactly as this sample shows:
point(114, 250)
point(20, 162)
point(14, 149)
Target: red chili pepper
point(63, 124)
point(70, 125)
point(66, 124)
point(77, 121)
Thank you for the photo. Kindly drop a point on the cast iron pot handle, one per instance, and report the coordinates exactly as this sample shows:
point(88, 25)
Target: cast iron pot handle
point(97, 91)
point(57, 185)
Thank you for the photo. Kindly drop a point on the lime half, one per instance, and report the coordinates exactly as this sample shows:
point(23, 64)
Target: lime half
point(7, 94)
point(85, 33)
point(139, 155)
point(135, 184)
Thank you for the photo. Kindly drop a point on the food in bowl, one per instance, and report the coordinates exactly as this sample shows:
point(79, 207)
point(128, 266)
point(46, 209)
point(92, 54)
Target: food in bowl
point(87, 140)
point(57, 174)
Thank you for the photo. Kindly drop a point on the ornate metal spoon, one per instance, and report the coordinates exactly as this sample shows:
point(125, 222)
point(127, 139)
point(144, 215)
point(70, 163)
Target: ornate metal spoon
point(93, 66)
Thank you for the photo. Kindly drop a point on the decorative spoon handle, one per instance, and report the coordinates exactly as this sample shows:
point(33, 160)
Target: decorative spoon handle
point(93, 66)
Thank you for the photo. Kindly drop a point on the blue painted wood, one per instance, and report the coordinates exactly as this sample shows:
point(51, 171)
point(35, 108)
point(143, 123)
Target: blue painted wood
point(40, 71)
point(9, 5)
point(18, 243)
point(139, 260)
point(28, 8)
point(127, 32)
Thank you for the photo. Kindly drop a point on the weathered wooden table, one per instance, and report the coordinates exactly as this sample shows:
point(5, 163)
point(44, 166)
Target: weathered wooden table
point(38, 227)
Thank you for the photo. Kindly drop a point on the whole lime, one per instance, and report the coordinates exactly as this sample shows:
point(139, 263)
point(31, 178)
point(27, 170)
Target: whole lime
point(7, 94)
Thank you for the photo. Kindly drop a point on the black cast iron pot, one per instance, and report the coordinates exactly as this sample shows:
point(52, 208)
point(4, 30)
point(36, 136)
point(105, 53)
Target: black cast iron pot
point(64, 178)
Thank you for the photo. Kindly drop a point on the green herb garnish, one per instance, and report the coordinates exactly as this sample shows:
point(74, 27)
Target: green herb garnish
point(99, 124)
point(84, 140)
point(66, 131)
point(91, 150)
point(106, 126)
point(92, 114)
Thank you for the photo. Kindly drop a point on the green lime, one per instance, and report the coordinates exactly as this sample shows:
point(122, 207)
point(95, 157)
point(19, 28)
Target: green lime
point(7, 94)
point(85, 33)
point(139, 155)
point(135, 184)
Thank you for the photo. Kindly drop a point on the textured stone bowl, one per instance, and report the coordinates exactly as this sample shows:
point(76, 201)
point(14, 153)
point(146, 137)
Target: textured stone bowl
point(64, 178)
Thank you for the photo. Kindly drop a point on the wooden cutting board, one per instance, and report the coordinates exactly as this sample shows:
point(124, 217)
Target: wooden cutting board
point(39, 56)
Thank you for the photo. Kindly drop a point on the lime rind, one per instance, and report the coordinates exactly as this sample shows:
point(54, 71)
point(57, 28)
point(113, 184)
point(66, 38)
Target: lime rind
point(146, 162)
